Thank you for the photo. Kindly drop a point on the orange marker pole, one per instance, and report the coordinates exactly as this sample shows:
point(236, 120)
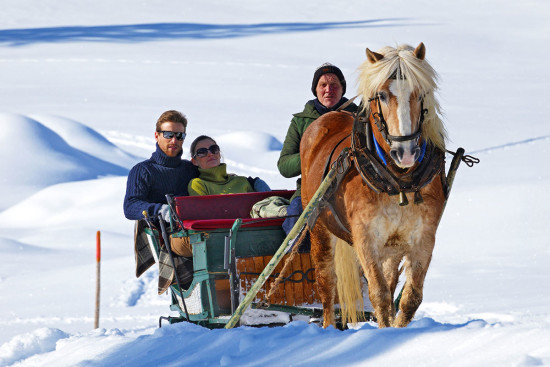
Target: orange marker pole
point(98, 257)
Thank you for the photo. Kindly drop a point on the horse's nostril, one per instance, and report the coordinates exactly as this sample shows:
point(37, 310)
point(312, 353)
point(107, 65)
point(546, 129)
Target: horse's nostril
point(396, 154)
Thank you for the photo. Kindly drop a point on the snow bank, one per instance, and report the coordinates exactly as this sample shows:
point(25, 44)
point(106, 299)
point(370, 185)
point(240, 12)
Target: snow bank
point(22, 346)
point(35, 157)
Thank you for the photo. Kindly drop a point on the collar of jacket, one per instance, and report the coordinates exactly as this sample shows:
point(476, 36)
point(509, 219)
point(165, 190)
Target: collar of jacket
point(216, 174)
point(309, 111)
point(162, 159)
point(322, 109)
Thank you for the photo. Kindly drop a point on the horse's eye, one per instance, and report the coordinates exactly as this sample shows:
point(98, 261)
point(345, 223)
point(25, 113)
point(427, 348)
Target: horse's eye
point(383, 96)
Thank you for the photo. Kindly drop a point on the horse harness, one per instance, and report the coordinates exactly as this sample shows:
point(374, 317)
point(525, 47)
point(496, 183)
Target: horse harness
point(374, 171)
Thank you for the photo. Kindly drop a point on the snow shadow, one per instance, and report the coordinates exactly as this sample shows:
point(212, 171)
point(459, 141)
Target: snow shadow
point(192, 345)
point(173, 31)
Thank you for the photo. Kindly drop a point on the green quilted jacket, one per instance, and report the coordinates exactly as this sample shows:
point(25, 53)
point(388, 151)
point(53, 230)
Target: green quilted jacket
point(289, 163)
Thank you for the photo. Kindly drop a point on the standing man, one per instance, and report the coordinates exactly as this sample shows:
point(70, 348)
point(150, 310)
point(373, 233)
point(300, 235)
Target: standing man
point(329, 87)
point(148, 183)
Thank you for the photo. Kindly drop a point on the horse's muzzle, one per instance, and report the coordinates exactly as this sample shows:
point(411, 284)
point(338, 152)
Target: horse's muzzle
point(403, 157)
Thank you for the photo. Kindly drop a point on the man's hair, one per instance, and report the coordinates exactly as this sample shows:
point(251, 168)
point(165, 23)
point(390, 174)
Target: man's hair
point(172, 116)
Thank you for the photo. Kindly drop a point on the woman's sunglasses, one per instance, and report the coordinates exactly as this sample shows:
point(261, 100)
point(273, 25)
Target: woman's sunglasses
point(203, 152)
point(171, 134)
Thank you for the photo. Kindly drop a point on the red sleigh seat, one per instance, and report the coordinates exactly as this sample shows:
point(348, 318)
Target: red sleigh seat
point(220, 211)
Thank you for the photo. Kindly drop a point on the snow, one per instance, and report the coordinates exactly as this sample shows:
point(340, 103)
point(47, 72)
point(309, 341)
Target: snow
point(83, 83)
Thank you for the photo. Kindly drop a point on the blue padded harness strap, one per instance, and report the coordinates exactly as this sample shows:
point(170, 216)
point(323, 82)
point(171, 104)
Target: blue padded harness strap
point(421, 156)
point(379, 150)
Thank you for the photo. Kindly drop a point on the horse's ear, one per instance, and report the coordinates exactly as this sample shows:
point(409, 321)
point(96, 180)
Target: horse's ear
point(420, 51)
point(373, 56)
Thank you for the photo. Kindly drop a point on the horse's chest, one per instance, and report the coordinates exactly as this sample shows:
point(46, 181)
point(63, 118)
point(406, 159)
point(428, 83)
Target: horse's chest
point(394, 226)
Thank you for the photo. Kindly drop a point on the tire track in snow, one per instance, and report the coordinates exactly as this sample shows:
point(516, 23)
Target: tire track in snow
point(511, 144)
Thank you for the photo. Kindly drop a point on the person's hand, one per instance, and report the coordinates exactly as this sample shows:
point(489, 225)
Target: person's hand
point(165, 212)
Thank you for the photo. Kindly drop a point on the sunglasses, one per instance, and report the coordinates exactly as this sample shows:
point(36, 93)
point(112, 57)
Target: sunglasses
point(170, 134)
point(203, 152)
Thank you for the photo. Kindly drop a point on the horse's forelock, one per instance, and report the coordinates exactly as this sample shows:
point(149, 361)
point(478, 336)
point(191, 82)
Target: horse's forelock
point(418, 74)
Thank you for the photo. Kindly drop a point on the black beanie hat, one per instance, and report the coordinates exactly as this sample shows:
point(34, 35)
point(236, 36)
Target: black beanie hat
point(327, 68)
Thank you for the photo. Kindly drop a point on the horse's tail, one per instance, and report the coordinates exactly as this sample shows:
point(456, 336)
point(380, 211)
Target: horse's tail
point(349, 285)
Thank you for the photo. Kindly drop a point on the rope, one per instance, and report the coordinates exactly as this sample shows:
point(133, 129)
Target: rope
point(265, 303)
point(304, 276)
point(468, 159)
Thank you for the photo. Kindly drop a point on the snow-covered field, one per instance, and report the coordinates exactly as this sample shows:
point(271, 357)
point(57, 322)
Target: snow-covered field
point(83, 82)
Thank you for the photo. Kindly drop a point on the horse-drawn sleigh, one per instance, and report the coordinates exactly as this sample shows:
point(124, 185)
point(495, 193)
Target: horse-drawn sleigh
point(357, 212)
point(230, 251)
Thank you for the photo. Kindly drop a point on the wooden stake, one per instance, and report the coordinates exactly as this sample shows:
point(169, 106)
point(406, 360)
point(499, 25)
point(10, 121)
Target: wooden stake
point(98, 258)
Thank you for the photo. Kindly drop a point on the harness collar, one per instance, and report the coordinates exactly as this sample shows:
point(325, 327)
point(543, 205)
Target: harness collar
point(372, 166)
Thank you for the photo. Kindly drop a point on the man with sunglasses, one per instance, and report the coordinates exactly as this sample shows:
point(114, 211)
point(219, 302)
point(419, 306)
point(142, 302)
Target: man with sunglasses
point(148, 183)
point(164, 173)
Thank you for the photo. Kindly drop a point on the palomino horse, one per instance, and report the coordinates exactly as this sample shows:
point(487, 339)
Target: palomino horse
point(369, 209)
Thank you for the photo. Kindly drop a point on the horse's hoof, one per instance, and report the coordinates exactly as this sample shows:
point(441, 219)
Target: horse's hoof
point(341, 326)
point(315, 321)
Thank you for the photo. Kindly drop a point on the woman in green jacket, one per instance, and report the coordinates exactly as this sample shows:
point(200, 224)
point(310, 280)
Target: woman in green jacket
point(329, 87)
point(213, 177)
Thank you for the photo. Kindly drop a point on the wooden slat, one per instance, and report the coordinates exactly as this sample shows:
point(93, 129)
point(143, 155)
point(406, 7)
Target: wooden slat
point(223, 294)
point(288, 286)
point(287, 293)
point(258, 266)
point(241, 268)
point(309, 288)
point(298, 287)
point(246, 279)
point(278, 296)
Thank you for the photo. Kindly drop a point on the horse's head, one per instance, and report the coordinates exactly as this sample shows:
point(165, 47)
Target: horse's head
point(397, 86)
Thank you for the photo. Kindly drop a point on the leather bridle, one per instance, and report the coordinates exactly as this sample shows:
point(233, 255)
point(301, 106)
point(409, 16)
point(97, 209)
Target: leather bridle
point(380, 122)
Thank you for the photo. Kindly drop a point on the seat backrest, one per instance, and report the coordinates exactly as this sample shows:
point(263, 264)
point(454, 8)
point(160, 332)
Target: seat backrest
point(230, 206)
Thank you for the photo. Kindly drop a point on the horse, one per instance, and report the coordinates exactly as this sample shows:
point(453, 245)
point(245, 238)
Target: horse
point(396, 145)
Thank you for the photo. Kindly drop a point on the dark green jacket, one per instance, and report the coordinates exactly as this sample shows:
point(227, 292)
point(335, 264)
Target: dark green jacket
point(289, 163)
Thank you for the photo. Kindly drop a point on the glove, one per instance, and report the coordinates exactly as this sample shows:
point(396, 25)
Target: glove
point(165, 212)
point(260, 185)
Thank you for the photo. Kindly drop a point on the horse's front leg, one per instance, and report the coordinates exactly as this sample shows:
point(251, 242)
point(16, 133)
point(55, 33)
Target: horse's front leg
point(322, 254)
point(391, 273)
point(416, 267)
point(379, 290)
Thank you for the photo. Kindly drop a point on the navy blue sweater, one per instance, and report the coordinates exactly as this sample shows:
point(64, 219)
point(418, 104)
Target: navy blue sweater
point(149, 181)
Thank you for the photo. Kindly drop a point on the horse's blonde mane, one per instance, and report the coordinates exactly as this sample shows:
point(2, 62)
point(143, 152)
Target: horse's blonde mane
point(417, 73)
